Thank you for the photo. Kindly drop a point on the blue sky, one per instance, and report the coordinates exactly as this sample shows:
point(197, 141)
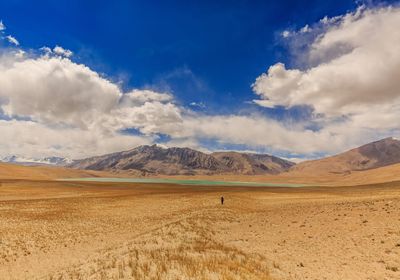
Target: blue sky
point(208, 57)
point(203, 51)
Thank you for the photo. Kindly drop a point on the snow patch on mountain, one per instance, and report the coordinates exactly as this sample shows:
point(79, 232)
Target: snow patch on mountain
point(58, 161)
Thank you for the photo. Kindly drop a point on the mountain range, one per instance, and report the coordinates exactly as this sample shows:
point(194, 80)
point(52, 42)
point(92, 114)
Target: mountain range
point(57, 161)
point(157, 160)
point(184, 161)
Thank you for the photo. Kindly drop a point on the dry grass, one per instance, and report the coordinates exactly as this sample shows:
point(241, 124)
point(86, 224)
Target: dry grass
point(60, 230)
point(86, 231)
point(180, 250)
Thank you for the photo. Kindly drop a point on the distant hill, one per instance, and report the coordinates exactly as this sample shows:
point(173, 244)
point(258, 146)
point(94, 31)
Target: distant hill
point(375, 162)
point(184, 161)
point(373, 155)
point(16, 171)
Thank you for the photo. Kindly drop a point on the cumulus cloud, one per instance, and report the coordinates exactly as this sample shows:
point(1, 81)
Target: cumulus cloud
point(260, 132)
point(30, 138)
point(140, 97)
point(60, 97)
point(56, 90)
point(46, 50)
point(12, 40)
point(61, 51)
point(150, 118)
point(20, 54)
point(65, 108)
point(363, 71)
point(199, 105)
point(352, 83)
point(285, 34)
point(306, 28)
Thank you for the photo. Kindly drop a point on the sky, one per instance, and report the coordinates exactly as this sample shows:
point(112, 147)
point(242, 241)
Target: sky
point(297, 79)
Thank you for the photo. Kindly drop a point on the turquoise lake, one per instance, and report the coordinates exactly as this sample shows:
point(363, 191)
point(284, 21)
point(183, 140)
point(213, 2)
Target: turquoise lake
point(185, 182)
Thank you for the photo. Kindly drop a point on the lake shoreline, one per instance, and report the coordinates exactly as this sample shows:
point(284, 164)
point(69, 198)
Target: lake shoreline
point(184, 182)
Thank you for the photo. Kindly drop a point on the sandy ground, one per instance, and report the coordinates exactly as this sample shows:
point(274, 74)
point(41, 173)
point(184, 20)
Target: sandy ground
point(71, 230)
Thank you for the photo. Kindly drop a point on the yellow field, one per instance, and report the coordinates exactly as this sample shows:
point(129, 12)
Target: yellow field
point(71, 230)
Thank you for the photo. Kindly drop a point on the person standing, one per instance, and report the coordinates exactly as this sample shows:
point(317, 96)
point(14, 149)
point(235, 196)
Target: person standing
point(222, 200)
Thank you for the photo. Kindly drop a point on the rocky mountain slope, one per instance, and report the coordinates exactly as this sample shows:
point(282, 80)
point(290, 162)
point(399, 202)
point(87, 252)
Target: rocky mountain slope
point(373, 155)
point(252, 164)
point(184, 161)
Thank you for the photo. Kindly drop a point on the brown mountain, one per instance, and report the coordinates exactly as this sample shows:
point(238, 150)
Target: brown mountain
point(252, 164)
point(184, 161)
point(373, 155)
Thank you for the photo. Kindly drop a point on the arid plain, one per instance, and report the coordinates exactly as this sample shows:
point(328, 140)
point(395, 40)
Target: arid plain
point(88, 230)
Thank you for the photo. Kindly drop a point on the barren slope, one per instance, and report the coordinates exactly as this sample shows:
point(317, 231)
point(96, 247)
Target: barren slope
point(373, 155)
point(155, 160)
point(13, 171)
point(252, 164)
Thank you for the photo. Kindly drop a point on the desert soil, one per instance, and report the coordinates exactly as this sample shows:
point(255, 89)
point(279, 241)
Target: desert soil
point(72, 230)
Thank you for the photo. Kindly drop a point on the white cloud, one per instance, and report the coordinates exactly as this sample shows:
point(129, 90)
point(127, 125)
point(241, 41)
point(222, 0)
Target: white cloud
point(12, 40)
point(46, 50)
point(275, 86)
point(20, 54)
point(351, 82)
point(260, 132)
point(85, 116)
point(70, 106)
point(85, 100)
point(305, 29)
point(150, 118)
point(35, 139)
point(60, 51)
point(354, 85)
point(140, 97)
point(363, 71)
point(285, 34)
point(2, 26)
point(56, 91)
point(200, 105)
